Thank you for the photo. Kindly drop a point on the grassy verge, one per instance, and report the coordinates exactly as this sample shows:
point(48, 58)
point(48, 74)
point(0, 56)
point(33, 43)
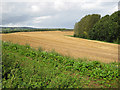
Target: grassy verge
point(25, 67)
point(95, 40)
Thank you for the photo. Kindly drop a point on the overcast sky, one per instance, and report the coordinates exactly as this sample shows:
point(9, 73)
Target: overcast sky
point(52, 13)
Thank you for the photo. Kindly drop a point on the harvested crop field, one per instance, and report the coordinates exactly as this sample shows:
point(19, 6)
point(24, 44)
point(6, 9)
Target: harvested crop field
point(65, 45)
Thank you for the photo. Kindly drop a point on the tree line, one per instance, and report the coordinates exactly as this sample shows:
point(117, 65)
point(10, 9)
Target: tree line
point(28, 29)
point(94, 27)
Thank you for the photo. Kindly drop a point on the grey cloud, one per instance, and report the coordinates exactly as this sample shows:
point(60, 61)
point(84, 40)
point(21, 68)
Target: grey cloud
point(15, 19)
point(62, 14)
point(119, 5)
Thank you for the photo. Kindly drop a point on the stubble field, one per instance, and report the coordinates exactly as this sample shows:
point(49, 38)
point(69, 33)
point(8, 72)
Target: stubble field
point(65, 45)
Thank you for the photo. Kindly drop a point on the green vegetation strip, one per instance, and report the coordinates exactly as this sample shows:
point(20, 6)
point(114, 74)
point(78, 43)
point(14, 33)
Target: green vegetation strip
point(93, 40)
point(25, 67)
point(14, 30)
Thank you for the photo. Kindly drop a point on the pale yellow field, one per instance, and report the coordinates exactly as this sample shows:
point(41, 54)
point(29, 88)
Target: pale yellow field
point(65, 45)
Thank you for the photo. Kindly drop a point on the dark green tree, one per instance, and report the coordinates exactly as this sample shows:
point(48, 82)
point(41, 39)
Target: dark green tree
point(107, 29)
point(85, 24)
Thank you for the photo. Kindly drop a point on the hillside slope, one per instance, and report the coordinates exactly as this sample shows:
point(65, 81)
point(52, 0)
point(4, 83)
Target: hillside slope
point(65, 45)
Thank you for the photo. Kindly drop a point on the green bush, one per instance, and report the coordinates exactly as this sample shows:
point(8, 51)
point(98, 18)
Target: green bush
point(81, 28)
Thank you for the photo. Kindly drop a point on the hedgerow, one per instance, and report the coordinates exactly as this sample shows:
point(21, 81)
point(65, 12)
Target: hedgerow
point(17, 29)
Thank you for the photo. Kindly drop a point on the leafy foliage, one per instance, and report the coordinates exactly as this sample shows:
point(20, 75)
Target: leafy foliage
point(81, 28)
point(107, 29)
point(25, 67)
